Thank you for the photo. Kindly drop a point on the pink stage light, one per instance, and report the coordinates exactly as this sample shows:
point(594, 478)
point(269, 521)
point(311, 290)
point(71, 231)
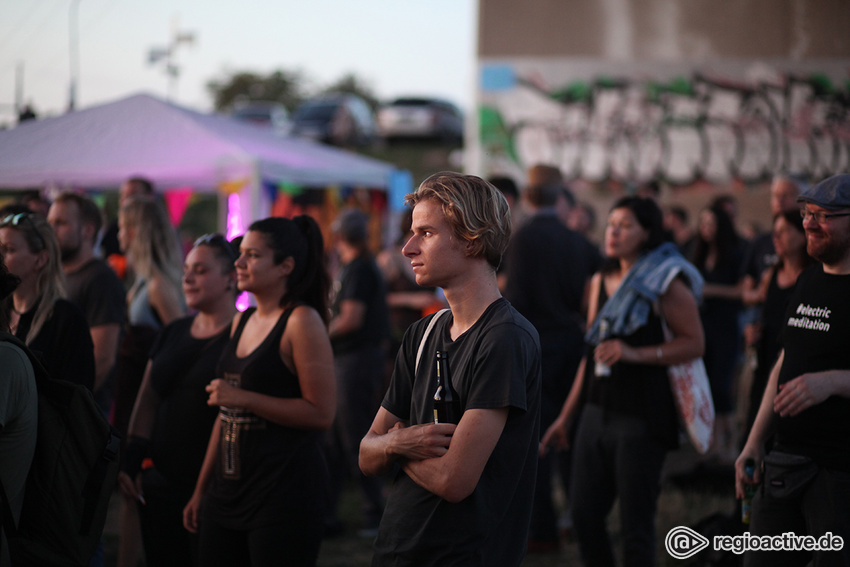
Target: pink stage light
point(236, 228)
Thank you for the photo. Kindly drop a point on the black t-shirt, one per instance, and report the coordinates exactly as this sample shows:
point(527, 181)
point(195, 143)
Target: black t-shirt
point(96, 289)
point(361, 280)
point(495, 364)
point(63, 345)
point(547, 268)
point(181, 367)
point(815, 337)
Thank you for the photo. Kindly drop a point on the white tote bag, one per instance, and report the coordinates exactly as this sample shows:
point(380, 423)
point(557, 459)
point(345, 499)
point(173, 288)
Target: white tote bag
point(692, 393)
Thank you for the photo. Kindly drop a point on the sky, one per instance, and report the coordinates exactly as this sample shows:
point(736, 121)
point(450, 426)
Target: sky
point(398, 47)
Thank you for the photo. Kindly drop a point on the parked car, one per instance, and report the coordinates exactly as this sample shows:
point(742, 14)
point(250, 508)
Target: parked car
point(264, 113)
point(338, 119)
point(420, 117)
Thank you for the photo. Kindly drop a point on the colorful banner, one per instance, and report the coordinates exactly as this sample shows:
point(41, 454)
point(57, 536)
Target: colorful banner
point(177, 200)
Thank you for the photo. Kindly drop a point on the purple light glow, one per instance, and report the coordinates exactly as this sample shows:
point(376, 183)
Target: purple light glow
point(236, 228)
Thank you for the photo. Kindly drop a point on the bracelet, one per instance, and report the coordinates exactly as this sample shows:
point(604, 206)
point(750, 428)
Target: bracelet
point(658, 354)
point(134, 455)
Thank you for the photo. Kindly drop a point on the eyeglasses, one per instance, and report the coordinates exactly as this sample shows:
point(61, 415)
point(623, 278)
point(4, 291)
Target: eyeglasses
point(218, 241)
point(16, 221)
point(821, 217)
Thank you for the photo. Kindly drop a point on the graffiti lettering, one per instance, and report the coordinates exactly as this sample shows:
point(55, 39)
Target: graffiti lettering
point(634, 131)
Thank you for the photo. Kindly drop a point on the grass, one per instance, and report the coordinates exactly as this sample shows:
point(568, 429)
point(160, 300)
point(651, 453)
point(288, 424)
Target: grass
point(420, 157)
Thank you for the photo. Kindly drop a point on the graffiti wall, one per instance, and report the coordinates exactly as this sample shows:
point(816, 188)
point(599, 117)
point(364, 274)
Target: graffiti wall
point(679, 124)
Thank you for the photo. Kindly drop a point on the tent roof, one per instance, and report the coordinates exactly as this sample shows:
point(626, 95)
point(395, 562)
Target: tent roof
point(142, 135)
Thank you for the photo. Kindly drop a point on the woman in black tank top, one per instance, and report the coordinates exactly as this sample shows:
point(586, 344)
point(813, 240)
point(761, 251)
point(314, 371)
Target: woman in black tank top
point(260, 497)
point(628, 418)
point(772, 294)
point(171, 420)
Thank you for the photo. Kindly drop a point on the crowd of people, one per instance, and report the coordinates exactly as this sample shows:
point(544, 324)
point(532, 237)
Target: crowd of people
point(242, 429)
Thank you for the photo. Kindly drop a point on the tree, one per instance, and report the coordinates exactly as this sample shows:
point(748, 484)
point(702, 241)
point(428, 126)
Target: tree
point(289, 88)
point(351, 84)
point(285, 87)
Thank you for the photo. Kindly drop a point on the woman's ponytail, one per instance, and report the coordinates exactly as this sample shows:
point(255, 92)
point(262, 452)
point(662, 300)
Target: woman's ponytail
point(313, 286)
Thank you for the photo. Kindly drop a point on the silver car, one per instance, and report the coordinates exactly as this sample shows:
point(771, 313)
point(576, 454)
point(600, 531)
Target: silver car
point(420, 117)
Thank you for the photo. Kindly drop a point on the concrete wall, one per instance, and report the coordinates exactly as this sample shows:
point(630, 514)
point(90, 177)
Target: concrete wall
point(566, 82)
point(677, 90)
point(666, 30)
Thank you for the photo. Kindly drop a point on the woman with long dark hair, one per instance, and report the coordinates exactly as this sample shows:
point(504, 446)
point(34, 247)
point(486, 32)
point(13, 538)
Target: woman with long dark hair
point(261, 496)
point(777, 284)
point(718, 254)
point(628, 421)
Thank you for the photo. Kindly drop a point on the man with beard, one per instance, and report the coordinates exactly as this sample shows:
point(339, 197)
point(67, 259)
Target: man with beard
point(91, 283)
point(806, 475)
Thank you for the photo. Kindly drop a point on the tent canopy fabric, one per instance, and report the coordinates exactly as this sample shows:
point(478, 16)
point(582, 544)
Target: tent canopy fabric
point(101, 146)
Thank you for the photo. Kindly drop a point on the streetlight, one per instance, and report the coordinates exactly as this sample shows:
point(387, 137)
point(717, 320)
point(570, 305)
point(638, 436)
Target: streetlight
point(74, 51)
point(167, 55)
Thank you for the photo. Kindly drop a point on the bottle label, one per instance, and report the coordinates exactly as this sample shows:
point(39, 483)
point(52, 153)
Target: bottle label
point(749, 492)
point(601, 369)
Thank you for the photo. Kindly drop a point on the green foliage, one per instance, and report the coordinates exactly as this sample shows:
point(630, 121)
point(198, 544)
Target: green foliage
point(286, 87)
point(351, 84)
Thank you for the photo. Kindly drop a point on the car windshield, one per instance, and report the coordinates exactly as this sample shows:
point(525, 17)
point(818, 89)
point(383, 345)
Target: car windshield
point(320, 111)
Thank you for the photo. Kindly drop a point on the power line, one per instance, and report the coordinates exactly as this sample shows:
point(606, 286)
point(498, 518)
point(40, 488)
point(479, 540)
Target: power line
point(20, 27)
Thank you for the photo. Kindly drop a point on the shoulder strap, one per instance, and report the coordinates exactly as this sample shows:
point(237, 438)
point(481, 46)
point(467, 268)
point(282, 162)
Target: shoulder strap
point(243, 320)
point(428, 330)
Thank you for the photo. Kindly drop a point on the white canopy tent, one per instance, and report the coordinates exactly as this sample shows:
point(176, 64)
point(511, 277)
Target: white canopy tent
point(99, 147)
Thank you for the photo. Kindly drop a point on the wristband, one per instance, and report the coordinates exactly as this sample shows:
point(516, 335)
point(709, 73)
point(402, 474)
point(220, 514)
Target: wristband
point(134, 453)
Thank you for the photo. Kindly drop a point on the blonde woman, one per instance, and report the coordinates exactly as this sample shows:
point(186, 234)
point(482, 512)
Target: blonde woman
point(153, 254)
point(54, 328)
point(154, 300)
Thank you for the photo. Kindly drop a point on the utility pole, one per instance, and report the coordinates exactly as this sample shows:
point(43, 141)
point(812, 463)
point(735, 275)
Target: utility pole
point(19, 86)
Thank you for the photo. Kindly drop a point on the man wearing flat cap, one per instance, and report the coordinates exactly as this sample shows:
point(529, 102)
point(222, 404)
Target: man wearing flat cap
point(805, 477)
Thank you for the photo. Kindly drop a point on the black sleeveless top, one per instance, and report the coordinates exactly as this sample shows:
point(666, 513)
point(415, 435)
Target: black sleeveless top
point(636, 390)
point(266, 473)
point(772, 323)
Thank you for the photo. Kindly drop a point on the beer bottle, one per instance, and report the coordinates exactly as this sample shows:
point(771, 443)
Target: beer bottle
point(445, 407)
point(749, 492)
